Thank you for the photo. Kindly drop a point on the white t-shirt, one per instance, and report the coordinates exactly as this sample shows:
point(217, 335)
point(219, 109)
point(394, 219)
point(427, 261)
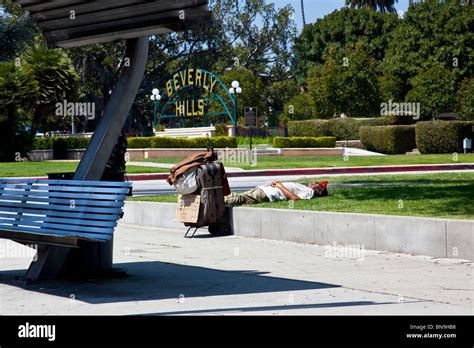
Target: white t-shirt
point(275, 194)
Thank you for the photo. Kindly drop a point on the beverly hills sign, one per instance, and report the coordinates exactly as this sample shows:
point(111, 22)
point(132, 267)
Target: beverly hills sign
point(191, 78)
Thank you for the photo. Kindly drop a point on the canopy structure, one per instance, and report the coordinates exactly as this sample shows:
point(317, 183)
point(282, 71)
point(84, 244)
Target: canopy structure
point(70, 23)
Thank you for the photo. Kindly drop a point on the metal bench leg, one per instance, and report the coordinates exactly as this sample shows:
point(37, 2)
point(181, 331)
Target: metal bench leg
point(189, 229)
point(48, 263)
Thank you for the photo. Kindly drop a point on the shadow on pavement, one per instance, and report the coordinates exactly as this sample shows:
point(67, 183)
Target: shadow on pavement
point(240, 310)
point(156, 280)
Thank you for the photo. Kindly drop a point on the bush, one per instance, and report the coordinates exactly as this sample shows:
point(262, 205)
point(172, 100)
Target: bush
point(465, 100)
point(78, 143)
point(309, 128)
point(342, 128)
point(43, 143)
point(442, 136)
point(348, 128)
point(48, 143)
point(300, 107)
point(221, 130)
point(166, 142)
point(388, 139)
point(434, 89)
point(282, 142)
point(139, 142)
point(242, 141)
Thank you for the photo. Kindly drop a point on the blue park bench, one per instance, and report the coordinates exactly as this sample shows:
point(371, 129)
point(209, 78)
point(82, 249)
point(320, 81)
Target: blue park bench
point(57, 227)
point(59, 213)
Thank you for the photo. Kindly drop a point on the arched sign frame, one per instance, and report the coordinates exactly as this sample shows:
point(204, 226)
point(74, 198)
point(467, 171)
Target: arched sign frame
point(229, 110)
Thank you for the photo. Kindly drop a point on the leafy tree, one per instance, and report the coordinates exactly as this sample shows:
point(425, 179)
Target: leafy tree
point(252, 89)
point(465, 100)
point(432, 33)
point(346, 83)
point(300, 107)
point(390, 86)
point(276, 95)
point(260, 35)
point(343, 27)
point(434, 89)
point(57, 82)
point(381, 5)
point(18, 91)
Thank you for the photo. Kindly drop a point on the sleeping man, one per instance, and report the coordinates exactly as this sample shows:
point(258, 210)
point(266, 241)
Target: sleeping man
point(278, 191)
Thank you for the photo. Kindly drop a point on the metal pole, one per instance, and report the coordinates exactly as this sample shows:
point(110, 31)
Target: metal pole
point(92, 165)
point(251, 133)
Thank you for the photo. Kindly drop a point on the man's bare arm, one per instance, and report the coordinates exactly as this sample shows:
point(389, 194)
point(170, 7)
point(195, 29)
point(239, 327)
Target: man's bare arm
point(288, 194)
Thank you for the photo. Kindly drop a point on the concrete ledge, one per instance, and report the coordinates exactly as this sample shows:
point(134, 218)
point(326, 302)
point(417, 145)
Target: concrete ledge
point(323, 151)
point(447, 238)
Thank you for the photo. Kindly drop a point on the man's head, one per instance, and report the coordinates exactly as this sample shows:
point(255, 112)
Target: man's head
point(319, 188)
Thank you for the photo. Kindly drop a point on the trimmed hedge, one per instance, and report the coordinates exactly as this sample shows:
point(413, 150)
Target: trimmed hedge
point(139, 142)
point(389, 140)
point(442, 136)
point(282, 142)
point(166, 142)
point(341, 128)
point(308, 128)
point(48, 143)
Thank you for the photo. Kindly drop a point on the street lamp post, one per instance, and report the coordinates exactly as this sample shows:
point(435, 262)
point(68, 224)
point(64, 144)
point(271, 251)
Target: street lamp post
point(235, 91)
point(155, 97)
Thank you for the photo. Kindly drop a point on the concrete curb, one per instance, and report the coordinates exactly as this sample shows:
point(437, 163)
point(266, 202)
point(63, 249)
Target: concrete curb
point(445, 238)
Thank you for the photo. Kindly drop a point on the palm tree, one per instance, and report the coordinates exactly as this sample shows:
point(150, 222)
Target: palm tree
point(18, 92)
point(302, 12)
point(57, 81)
point(381, 5)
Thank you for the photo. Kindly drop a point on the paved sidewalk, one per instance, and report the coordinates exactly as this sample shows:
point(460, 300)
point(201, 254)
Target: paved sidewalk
point(169, 274)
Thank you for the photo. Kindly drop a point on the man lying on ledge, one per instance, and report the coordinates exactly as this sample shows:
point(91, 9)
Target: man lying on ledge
point(277, 191)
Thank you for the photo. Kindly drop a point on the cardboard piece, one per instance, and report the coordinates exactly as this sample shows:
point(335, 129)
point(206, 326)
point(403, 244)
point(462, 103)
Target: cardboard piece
point(187, 209)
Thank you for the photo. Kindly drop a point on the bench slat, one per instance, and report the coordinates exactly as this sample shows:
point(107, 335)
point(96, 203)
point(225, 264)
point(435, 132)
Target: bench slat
point(83, 215)
point(51, 207)
point(68, 182)
point(29, 198)
point(52, 232)
point(65, 188)
point(82, 222)
point(56, 226)
point(110, 197)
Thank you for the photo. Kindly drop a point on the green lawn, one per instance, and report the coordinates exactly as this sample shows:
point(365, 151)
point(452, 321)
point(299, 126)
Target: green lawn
point(274, 162)
point(29, 169)
point(448, 195)
point(264, 162)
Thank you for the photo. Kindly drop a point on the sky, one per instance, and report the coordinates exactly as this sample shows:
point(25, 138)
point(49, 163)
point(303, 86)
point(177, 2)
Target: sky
point(315, 9)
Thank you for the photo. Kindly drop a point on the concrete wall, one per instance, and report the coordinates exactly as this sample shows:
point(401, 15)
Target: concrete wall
point(419, 236)
point(42, 155)
point(350, 143)
point(312, 151)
